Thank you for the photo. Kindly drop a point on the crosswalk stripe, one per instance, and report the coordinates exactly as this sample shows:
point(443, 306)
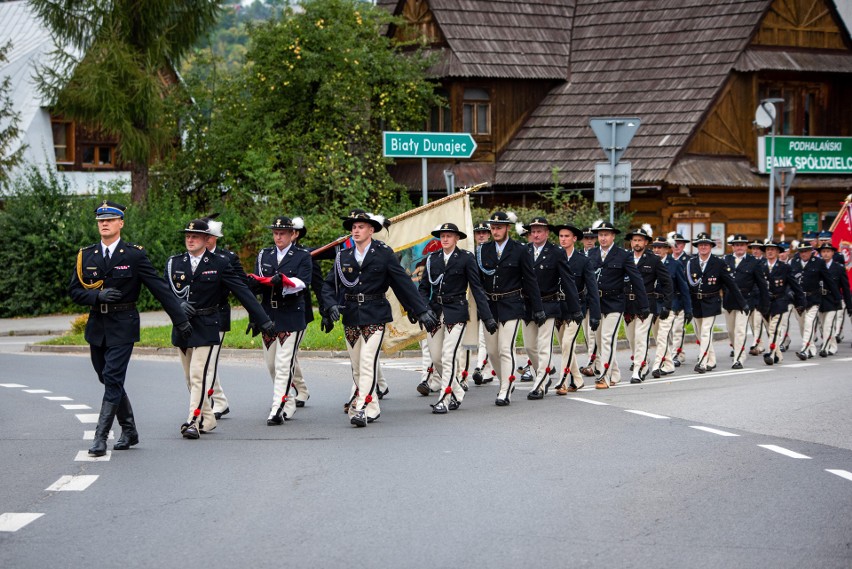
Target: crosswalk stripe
point(10, 521)
point(70, 483)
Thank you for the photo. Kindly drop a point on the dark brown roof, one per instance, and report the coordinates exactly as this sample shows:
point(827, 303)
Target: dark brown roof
point(661, 60)
point(738, 173)
point(761, 59)
point(501, 38)
point(410, 174)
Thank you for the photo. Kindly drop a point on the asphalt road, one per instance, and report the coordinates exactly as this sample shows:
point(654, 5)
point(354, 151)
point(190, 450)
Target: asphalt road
point(614, 478)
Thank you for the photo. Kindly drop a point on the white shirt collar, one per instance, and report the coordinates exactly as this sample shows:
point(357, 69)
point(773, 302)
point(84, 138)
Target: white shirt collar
point(110, 248)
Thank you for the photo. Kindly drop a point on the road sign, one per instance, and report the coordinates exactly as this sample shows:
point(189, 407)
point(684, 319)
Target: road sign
point(810, 221)
point(618, 137)
point(785, 208)
point(784, 178)
point(427, 144)
point(606, 183)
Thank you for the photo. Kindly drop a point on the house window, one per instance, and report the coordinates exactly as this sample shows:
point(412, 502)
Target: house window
point(63, 141)
point(98, 156)
point(441, 118)
point(476, 111)
point(803, 111)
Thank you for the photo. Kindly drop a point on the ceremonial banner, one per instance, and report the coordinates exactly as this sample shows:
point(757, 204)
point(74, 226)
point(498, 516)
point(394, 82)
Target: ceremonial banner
point(842, 233)
point(410, 236)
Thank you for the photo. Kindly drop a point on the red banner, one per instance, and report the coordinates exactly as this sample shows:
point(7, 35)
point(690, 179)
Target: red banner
point(842, 234)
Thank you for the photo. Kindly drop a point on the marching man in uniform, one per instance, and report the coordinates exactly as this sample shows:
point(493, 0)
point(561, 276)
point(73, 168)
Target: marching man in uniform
point(108, 278)
point(680, 322)
point(681, 302)
point(831, 307)
point(199, 279)
point(506, 269)
point(483, 372)
point(816, 281)
point(558, 295)
point(365, 272)
point(449, 273)
point(283, 274)
point(751, 280)
point(784, 290)
point(707, 275)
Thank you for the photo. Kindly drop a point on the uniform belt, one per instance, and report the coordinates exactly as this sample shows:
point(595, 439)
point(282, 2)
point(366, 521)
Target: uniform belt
point(657, 294)
point(774, 296)
point(105, 308)
point(609, 293)
point(362, 298)
point(629, 296)
point(494, 296)
point(450, 299)
point(207, 311)
point(553, 296)
point(703, 295)
point(288, 300)
point(812, 293)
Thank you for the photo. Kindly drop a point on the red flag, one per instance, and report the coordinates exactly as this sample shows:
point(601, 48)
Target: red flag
point(842, 234)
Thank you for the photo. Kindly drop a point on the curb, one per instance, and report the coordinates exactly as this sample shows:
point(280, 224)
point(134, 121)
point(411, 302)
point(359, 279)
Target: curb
point(44, 332)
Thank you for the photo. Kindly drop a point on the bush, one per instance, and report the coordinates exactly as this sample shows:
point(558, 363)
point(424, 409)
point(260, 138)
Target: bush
point(78, 325)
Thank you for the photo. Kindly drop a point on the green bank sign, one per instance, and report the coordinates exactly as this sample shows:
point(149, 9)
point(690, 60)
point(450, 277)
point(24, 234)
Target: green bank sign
point(807, 154)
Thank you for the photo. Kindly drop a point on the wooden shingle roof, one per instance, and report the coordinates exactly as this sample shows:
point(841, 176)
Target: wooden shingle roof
point(501, 38)
point(661, 60)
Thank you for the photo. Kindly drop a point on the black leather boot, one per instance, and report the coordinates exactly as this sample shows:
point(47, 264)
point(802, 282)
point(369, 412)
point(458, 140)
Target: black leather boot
point(108, 411)
point(129, 436)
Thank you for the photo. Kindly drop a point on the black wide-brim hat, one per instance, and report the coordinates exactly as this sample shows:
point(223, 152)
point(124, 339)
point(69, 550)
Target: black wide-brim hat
point(827, 245)
point(661, 241)
point(449, 227)
point(703, 238)
point(769, 243)
point(678, 238)
point(578, 233)
point(739, 239)
point(641, 232)
point(481, 226)
point(540, 222)
point(501, 218)
point(606, 226)
point(110, 210)
point(197, 226)
point(282, 222)
point(355, 215)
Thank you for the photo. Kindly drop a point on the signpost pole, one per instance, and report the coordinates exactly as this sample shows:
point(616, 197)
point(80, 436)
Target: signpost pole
point(425, 183)
point(612, 179)
point(769, 229)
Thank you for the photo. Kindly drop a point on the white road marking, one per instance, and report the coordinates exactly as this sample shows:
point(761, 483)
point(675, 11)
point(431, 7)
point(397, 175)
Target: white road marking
point(841, 473)
point(88, 417)
point(842, 360)
point(76, 407)
point(802, 364)
point(13, 522)
point(37, 391)
point(57, 398)
point(11, 385)
point(592, 401)
point(90, 435)
point(714, 431)
point(646, 414)
point(83, 456)
point(72, 483)
point(784, 451)
point(708, 375)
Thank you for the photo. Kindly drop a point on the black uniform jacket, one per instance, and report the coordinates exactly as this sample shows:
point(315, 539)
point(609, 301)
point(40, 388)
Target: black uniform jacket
point(657, 283)
point(128, 269)
point(509, 280)
point(784, 288)
point(840, 280)
point(449, 295)
point(751, 280)
point(360, 290)
point(586, 285)
point(213, 276)
point(316, 282)
point(224, 305)
point(706, 287)
point(681, 299)
point(815, 279)
point(555, 282)
point(287, 311)
point(683, 259)
point(612, 273)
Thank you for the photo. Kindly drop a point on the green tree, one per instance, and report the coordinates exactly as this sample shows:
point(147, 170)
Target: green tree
point(9, 130)
point(111, 67)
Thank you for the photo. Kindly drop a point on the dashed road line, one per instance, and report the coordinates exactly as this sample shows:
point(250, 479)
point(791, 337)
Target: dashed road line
point(88, 417)
point(843, 359)
point(714, 431)
point(646, 414)
point(70, 483)
point(57, 398)
point(10, 521)
point(37, 391)
point(784, 451)
point(592, 401)
point(83, 456)
point(12, 385)
point(841, 473)
point(76, 407)
point(90, 435)
point(803, 364)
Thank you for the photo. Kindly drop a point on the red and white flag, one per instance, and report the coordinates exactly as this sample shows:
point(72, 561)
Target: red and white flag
point(842, 234)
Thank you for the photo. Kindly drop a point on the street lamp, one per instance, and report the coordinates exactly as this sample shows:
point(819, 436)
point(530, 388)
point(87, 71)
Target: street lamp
point(765, 117)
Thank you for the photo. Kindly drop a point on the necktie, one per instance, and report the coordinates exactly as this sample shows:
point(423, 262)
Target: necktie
point(194, 262)
point(499, 252)
point(106, 256)
point(603, 254)
point(535, 255)
point(737, 262)
point(703, 264)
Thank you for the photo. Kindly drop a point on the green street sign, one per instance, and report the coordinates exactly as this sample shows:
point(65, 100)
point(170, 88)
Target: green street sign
point(807, 154)
point(427, 144)
point(810, 221)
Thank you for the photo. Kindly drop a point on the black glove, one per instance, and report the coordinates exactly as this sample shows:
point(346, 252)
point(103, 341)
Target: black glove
point(429, 320)
point(746, 307)
point(539, 318)
point(643, 314)
point(412, 318)
point(326, 325)
point(594, 323)
point(276, 280)
point(109, 295)
point(252, 327)
point(664, 313)
point(188, 309)
point(333, 313)
point(185, 329)
point(577, 318)
point(268, 328)
point(490, 325)
point(687, 318)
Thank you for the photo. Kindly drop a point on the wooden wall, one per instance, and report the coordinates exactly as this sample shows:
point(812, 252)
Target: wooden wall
point(800, 23)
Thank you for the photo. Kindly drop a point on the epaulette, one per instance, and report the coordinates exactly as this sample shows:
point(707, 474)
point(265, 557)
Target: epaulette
point(88, 246)
point(140, 247)
point(380, 243)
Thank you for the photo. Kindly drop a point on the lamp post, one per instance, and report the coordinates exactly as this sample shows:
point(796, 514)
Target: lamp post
point(768, 115)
